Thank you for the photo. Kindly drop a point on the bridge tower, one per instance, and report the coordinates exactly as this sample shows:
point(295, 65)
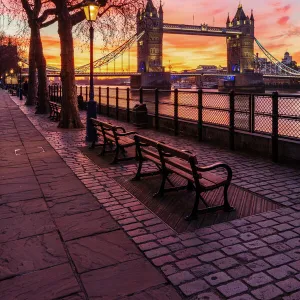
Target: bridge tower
point(240, 49)
point(150, 46)
point(150, 49)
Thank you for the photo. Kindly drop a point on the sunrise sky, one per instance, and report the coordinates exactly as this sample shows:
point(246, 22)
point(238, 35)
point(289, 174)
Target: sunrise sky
point(277, 27)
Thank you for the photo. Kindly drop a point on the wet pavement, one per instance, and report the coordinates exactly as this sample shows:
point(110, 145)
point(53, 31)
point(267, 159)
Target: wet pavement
point(70, 231)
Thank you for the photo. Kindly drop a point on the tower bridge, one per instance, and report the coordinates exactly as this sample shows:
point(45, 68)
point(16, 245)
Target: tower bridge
point(239, 33)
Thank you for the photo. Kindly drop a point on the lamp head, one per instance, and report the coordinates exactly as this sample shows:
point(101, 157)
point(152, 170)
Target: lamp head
point(20, 64)
point(91, 9)
point(11, 71)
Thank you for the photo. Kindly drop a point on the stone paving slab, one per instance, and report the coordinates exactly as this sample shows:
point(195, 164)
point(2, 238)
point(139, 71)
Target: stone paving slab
point(25, 226)
point(21, 208)
point(25, 195)
point(18, 185)
point(98, 251)
point(85, 224)
point(52, 283)
point(57, 189)
point(31, 254)
point(106, 283)
point(72, 205)
point(8, 173)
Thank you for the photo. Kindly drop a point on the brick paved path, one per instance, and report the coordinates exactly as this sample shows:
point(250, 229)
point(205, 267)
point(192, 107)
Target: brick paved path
point(257, 257)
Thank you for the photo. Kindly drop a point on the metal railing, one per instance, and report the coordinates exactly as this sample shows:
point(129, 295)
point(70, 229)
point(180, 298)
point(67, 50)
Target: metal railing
point(274, 115)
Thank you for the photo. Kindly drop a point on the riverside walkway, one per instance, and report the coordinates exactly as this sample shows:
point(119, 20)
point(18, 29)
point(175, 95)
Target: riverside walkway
point(69, 230)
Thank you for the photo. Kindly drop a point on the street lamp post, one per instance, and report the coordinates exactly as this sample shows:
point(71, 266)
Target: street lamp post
point(11, 73)
point(5, 79)
point(91, 9)
point(20, 64)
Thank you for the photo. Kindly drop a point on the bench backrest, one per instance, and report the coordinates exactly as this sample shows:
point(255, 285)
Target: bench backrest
point(179, 159)
point(144, 141)
point(146, 146)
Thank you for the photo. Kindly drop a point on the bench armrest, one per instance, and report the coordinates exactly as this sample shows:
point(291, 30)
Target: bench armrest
point(126, 133)
point(122, 128)
point(217, 166)
point(166, 154)
point(187, 151)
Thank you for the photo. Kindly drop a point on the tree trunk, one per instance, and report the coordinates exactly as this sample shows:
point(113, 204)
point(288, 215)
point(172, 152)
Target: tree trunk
point(32, 71)
point(43, 96)
point(70, 114)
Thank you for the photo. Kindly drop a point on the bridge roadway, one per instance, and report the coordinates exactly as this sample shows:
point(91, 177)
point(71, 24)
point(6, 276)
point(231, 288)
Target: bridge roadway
point(203, 29)
point(127, 74)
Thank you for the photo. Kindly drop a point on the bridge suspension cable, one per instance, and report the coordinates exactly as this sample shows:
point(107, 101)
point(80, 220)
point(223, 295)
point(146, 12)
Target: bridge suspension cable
point(49, 68)
point(112, 55)
point(284, 68)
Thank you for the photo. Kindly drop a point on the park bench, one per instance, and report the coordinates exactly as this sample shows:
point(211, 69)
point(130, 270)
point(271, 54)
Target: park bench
point(55, 110)
point(13, 92)
point(115, 137)
point(173, 161)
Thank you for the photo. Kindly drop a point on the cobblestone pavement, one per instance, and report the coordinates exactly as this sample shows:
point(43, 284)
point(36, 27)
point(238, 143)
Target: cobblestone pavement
point(257, 257)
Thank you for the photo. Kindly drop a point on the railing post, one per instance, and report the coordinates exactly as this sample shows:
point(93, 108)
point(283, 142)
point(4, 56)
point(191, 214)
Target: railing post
point(99, 100)
point(141, 96)
point(60, 94)
point(176, 112)
point(86, 93)
point(57, 96)
point(117, 103)
point(275, 97)
point(49, 88)
point(156, 109)
point(107, 101)
point(81, 90)
point(200, 115)
point(231, 120)
point(252, 113)
point(128, 105)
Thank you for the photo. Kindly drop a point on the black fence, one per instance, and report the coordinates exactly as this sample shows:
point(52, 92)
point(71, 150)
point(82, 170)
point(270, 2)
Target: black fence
point(274, 115)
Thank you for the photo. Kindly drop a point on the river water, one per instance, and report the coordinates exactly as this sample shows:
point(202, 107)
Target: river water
point(215, 107)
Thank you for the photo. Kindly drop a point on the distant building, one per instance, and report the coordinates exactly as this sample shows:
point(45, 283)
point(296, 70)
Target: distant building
point(288, 61)
point(211, 69)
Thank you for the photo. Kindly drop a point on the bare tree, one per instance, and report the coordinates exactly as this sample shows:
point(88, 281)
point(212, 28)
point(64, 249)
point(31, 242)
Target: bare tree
point(116, 21)
point(32, 15)
point(39, 14)
point(117, 14)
